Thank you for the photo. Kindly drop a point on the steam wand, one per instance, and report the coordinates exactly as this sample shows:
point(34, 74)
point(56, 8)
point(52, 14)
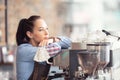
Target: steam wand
point(116, 36)
point(108, 33)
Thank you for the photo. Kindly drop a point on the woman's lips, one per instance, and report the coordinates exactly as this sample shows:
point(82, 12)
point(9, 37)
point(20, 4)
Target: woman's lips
point(46, 37)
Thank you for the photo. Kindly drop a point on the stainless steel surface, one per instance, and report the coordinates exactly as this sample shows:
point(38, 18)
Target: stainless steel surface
point(88, 61)
point(62, 60)
point(74, 58)
point(103, 49)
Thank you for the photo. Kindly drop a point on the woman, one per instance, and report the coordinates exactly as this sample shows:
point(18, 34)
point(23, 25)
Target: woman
point(32, 34)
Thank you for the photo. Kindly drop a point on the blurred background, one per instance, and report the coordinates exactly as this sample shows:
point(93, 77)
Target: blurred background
point(81, 20)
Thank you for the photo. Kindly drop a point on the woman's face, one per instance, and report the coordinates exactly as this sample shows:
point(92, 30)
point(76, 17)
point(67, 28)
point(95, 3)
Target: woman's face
point(40, 31)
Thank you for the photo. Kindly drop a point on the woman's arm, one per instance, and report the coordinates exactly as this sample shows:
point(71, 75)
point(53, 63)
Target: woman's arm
point(27, 51)
point(54, 47)
point(58, 44)
point(64, 42)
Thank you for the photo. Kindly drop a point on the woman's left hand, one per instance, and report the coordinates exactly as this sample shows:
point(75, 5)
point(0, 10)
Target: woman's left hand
point(44, 43)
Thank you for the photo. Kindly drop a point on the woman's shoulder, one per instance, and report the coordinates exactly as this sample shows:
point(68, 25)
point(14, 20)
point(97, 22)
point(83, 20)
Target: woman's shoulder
point(26, 46)
point(26, 49)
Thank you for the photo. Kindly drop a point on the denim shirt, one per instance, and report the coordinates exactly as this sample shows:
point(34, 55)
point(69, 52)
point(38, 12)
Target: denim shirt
point(25, 55)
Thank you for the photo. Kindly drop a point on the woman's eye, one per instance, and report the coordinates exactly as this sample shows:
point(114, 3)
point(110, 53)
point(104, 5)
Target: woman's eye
point(41, 29)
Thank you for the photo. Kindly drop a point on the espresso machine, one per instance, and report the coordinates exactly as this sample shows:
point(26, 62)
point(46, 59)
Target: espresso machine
point(95, 62)
point(92, 63)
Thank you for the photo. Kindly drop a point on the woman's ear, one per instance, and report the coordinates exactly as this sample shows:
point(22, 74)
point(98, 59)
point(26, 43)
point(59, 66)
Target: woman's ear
point(29, 34)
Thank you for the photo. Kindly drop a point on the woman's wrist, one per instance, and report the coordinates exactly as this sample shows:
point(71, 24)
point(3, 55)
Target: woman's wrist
point(54, 39)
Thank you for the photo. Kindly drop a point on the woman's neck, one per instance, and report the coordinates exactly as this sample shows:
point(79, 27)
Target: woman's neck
point(33, 43)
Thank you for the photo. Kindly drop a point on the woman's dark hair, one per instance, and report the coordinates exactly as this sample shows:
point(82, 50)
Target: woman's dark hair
point(24, 26)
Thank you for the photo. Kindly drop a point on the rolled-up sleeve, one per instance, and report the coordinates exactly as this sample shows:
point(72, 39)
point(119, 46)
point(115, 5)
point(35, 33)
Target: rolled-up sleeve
point(53, 49)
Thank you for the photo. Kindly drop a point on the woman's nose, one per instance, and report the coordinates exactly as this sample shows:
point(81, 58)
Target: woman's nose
point(46, 32)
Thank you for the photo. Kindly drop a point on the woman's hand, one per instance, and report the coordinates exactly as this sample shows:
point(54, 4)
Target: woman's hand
point(48, 41)
point(54, 39)
point(44, 42)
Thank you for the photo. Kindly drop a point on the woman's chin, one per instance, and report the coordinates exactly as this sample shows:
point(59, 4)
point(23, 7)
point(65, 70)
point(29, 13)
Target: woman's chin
point(46, 38)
